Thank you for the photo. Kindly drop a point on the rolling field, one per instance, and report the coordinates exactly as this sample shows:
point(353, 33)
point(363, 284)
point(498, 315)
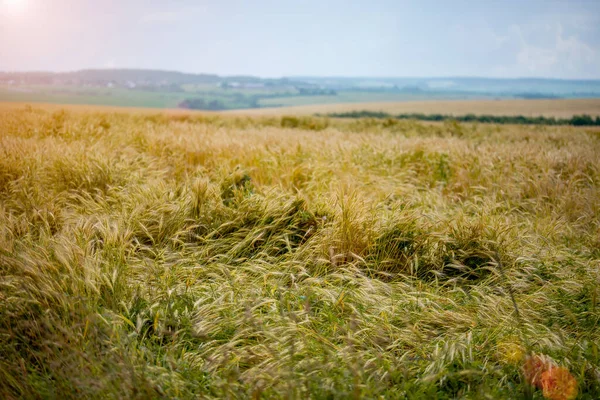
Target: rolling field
point(91, 96)
point(12, 107)
point(562, 108)
point(186, 255)
point(347, 97)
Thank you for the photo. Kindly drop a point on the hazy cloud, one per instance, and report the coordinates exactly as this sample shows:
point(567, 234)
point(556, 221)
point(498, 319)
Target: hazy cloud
point(508, 38)
point(561, 55)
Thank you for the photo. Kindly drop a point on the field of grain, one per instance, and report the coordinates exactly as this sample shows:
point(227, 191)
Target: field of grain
point(206, 256)
point(561, 108)
point(7, 107)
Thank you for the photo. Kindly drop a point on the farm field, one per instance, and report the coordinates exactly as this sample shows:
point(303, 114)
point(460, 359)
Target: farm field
point(12, 107)
point(91, 96)
point(350, 96)
point(188, 255)
point(559, 108)
point(120, 97)
point(229, 98)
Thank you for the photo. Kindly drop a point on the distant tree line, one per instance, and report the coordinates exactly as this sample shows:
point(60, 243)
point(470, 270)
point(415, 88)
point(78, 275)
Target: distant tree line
point(303, 91)
point(576, 120)
point(536, 96)
point(201, 104)
point(228, 100)
point(224, 102)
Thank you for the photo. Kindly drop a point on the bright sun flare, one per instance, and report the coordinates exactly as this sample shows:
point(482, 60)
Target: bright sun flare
point(14, 7)
point(14, 3)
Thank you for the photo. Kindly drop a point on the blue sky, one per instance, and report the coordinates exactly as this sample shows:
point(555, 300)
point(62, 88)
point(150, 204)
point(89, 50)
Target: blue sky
point(495, 38)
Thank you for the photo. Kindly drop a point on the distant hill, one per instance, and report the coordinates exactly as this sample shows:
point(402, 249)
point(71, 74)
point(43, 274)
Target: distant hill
point(522, 87)
point(172, 89)
point(136, 75)
point(515, 87)
point(124, 77)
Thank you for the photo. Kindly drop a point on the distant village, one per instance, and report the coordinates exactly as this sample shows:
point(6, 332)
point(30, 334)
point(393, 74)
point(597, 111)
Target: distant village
point(164, 81)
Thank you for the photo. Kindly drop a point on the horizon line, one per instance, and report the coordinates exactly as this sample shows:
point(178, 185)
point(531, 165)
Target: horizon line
point(296, 76)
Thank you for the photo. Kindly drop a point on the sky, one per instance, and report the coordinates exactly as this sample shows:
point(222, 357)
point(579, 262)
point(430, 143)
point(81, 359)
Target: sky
point(374, 38)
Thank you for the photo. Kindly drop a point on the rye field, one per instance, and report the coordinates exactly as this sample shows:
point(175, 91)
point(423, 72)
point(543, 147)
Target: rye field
point(147, 255)
point(558, 108)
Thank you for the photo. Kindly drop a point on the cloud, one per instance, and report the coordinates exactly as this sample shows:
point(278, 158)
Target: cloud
point(557, 54)
point(476, 32)
point(573, 50)
point(533, 57)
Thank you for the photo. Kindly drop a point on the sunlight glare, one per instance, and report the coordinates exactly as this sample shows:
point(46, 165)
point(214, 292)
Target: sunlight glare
point(14, 5)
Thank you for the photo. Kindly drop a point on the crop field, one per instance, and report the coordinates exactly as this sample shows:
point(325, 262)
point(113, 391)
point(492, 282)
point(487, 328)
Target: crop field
point(559, 108)
point(91, 96)
point(79, 109)
point(345, 97)
point(182, 255)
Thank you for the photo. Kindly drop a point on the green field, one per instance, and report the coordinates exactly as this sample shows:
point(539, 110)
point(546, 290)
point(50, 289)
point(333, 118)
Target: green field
point(122, 97)
point(230, 98)
point(169, 89)
point(91, 96)
point(147, 255)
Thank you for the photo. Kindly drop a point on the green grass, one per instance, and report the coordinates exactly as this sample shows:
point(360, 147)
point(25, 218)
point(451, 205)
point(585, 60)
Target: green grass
point(155, 256)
